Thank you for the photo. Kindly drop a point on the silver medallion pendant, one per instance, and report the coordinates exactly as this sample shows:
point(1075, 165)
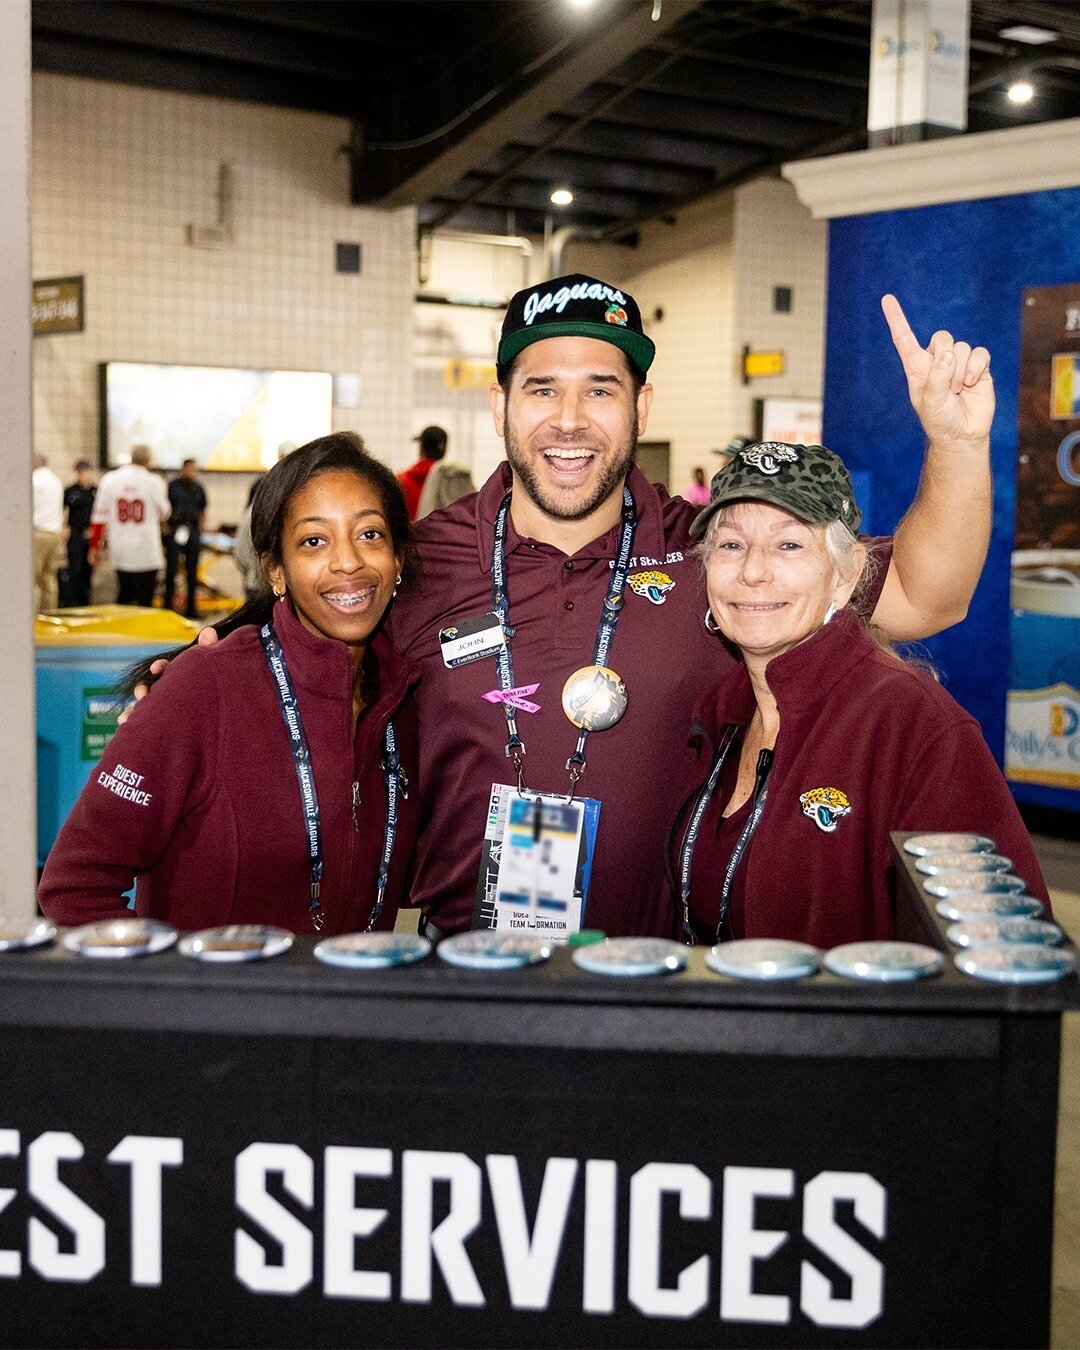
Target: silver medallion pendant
point(594, 698)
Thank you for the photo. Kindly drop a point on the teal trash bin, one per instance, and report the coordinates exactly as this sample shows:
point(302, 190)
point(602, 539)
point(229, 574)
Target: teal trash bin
point(81, 655)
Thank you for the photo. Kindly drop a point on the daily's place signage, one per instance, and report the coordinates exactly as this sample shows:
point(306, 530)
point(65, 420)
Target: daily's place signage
point(380, 1226)
point(57, 306)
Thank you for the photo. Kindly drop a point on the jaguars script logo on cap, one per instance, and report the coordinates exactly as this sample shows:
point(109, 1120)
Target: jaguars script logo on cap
point(558, 300)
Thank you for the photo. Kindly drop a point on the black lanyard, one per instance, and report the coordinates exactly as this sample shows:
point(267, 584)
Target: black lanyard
point(305, 775)
point(605, 633)
point(728, 735)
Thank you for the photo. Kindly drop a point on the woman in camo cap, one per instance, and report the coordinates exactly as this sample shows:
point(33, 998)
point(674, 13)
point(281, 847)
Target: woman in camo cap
point(823, 740)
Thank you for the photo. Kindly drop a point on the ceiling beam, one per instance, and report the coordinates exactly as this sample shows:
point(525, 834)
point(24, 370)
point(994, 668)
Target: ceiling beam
point(608, 47)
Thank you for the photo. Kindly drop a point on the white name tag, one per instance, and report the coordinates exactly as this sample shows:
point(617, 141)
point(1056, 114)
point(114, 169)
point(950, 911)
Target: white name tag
point(471, 639)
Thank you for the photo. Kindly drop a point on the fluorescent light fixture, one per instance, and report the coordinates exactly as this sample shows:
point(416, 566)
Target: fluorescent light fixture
point(561, 197)
point(1025, 32)
point(1020, 92)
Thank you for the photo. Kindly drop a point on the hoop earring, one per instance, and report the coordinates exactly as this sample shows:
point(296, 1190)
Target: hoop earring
point(710, 622)
point(830, 614)
point(397, 583)
point(279, 595)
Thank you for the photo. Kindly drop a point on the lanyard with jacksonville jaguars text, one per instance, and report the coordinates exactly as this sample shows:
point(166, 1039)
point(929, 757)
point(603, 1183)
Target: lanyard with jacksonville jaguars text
point(727, 738)
point(609, 617)
point(395, 781)
point(305, 775)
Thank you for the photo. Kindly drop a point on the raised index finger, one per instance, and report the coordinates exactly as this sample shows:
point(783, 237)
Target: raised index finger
point(904, 340)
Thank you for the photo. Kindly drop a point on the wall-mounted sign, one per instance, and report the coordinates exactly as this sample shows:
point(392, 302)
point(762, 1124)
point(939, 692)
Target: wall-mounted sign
point(756, 364)
point(468, 375)
point(1042, 745)
point(57, 306)
point(794, 420)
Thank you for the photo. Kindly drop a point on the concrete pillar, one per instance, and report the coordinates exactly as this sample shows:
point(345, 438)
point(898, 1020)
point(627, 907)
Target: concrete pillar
point(18, 776)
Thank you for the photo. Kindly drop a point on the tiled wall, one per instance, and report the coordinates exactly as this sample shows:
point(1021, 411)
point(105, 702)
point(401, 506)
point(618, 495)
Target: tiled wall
point(712, 275)
point(120, 173)
point(778, 243)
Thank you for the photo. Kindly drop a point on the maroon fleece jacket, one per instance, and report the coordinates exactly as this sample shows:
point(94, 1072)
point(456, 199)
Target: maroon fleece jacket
point(197, 795)
point(901, 750)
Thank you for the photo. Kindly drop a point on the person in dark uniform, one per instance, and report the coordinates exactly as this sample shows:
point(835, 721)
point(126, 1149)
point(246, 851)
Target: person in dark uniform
point(78, 503)
point(188, 502)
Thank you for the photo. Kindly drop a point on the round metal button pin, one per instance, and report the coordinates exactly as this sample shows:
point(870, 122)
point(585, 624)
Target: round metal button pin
point(974, 905)
point(1016, 963)
point(968, 883)
point(486, 950)
point(113, 938)
point(16, 937)
point(995, 932)
point(372, 951)
point(884, 962)
point(764, 959)
point(632, 956)
point(236, 942)
point(920, 844)
point(934, 864)
point(594, 698)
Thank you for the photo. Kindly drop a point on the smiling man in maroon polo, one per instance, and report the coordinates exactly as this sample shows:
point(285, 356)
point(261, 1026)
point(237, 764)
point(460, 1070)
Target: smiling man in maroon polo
point(571, 401)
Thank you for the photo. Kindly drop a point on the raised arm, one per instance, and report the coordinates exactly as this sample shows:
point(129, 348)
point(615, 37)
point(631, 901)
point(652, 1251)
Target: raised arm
point(940, 545)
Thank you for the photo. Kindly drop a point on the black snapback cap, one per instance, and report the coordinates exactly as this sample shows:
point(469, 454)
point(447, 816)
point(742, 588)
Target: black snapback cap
point(575, 306)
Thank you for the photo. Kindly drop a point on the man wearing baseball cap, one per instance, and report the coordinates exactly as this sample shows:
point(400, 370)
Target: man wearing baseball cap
point(432, 448)
point(558, 622)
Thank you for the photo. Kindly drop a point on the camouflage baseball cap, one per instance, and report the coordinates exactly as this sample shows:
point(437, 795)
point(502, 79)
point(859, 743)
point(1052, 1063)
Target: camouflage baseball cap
point(807, 480)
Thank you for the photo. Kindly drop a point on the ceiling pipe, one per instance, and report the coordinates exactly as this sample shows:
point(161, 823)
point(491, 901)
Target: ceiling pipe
point(553, 261)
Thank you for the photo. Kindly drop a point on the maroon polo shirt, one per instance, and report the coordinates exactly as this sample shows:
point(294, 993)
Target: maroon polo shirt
point(637, 769)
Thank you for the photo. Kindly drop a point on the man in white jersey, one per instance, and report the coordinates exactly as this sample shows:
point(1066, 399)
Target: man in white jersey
point(130, 505)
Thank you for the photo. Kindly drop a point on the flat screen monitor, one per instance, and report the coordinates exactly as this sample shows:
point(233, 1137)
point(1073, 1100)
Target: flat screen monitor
point(225, 418)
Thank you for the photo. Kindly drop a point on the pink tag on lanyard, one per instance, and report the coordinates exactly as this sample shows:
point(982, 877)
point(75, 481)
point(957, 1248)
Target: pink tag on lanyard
point(517, 698)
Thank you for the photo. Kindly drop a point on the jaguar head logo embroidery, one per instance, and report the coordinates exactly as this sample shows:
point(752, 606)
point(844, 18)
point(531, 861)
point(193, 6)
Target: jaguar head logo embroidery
point(826, 807)
point(616, 314)
point(652, 585)
point(768, 456)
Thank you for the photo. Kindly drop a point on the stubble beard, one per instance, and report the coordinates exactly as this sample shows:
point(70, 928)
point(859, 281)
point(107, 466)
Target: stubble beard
point(611, 477)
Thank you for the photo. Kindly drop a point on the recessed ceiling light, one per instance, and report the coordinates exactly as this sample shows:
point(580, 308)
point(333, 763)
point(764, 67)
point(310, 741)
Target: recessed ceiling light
point(580, 4)
point(562, 197)
point(1021, 92)
point(1026, 32)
